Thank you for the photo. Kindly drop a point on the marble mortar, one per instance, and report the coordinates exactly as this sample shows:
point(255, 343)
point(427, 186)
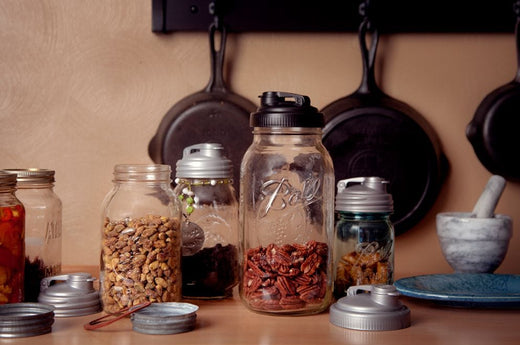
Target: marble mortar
point(474, 245)
point(476, 242)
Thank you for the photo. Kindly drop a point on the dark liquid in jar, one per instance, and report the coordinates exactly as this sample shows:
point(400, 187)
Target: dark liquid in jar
point(211, 272)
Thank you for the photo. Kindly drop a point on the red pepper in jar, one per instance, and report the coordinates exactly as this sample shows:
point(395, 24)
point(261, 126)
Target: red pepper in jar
point(12, 253)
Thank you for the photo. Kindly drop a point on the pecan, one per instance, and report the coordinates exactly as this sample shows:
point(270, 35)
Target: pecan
point(311, 264)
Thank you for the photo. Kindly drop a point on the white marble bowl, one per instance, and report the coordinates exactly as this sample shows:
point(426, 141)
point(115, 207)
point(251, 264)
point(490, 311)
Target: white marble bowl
point(473, 245)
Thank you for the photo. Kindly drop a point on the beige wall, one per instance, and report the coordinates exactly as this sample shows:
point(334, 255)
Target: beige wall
point(84, 85)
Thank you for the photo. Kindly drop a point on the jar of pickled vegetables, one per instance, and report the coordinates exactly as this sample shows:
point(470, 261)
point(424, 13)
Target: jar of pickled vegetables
point(43, 212)
point(12, 241)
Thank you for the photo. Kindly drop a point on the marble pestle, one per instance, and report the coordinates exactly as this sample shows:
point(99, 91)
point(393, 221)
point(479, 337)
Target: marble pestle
point(488, 200)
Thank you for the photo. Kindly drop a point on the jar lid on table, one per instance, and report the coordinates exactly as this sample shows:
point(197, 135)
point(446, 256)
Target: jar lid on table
point(74, 296)
point(165, 318)
point(377, 310)
point(25, 319)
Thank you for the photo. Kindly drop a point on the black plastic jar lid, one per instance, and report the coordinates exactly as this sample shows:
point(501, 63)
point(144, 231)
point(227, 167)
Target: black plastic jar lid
point(284, 109)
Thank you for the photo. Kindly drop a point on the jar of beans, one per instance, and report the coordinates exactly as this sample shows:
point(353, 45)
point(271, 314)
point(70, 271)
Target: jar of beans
point(141, 239)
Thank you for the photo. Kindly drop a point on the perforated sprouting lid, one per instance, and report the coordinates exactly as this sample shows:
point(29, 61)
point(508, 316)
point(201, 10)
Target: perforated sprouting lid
point(205, 160)
point(71, 295)
point(364, 194)
point(378, 310)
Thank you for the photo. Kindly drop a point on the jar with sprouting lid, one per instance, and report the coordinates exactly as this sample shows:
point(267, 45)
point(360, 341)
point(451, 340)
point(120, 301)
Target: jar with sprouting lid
point(43, 227)
point(204, 178)
point(364, 241)
point(141, 239)
point(12, 242)
point(286, 209)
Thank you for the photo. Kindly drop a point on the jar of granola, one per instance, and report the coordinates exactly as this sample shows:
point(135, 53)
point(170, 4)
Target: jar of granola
point(286, 209)
point(43, 221)
point(12, 243)
point(204, 178)
point(141, 240)
point(364, 241)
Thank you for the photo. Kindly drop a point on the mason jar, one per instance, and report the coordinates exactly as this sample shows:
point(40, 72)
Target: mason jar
point(12, 242)
point(141, 238)
point(364, 241)
point(286, 209)
point(204, 186)
point(43, 227)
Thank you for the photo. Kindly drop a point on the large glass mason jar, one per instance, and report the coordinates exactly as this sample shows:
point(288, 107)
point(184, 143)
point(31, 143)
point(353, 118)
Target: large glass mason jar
point(141, 239)
point(12, 242)
point(43, 223)
point(286, 209)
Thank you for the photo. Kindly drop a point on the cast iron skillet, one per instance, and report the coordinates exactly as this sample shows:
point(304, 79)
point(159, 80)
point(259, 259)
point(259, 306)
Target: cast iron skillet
point(369, 133)
point(493, 131)
point(213, 114)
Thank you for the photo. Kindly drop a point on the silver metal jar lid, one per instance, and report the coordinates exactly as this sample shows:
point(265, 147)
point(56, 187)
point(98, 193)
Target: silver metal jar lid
point(378, 310)
point(165, 318)
point(364, 194)
point(205, 160)
point(33, 176)
point(73, 296)
point(25, 319)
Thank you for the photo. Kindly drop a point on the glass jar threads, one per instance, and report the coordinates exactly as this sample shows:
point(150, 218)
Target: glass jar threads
point(210, 222)
point(141, 239)
point(364, 242)
point(43, 226)
point(12, 242)
point(286, 203)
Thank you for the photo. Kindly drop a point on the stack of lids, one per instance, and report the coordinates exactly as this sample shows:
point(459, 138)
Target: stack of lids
point(25, 319)
point(71, 295)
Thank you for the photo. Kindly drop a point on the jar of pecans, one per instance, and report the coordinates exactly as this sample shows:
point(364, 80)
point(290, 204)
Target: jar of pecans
point(141, 239)
point(12, 243)
point(286, 209)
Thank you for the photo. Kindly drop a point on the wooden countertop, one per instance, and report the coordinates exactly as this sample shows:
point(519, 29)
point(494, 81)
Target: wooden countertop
point(229, 322)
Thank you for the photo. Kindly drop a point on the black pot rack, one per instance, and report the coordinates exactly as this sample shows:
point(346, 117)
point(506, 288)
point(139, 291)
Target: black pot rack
point(392, 16)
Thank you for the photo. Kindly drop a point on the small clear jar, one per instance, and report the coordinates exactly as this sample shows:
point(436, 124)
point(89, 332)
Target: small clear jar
point(12, 242)
point(43, 227)
point(141, 239)
point(209, 222)
point(286, 209)
point(364, 241)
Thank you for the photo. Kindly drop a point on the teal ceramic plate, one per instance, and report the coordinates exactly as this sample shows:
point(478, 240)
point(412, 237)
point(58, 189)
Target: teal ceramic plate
point(472, 290)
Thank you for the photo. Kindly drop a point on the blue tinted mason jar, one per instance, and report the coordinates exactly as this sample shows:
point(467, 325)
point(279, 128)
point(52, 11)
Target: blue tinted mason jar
point(364, 241)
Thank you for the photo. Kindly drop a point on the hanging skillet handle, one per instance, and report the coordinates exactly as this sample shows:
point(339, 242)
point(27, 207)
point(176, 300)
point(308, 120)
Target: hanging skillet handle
point(516, 9)
point(368, 81)
point(216, 81)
